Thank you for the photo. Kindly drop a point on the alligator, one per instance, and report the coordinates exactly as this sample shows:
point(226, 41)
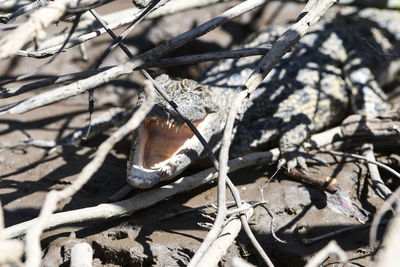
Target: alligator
point(331, 72)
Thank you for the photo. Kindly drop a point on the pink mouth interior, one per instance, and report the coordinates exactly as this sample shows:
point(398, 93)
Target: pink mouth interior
point(163, 140)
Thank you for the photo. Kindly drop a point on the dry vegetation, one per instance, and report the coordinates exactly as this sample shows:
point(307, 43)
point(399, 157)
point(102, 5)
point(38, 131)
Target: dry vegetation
point(28, 31)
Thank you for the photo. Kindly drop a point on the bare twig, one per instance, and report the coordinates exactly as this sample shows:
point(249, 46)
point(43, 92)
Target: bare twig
point(117, 71)
point(22, 10)
point(325, 183)
point(383, 191)
point(151, 197)
point(32, 240)
point(11, 5)
point(331, 248)
point(114, 20)
point(35, 25)
point(164, 62)
point(313, 11)
point(41, 67)
point(336, 233)
point(394, 198)
point(11, 251)
point(365, 159)
point(272, 225)
point(389, 251)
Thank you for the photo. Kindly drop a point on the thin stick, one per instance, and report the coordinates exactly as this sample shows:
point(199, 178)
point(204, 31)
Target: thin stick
point(32, 240)
point(389, 252)
point(364, 158)
point(225, 239)
point(313, 11)
point(151, 197)
point(22, 10)
point(84, 85)
point(382, 190)
point(394, 198)
point(159, 63)
point(35, 25)
point(351, 228)
point(114, 20)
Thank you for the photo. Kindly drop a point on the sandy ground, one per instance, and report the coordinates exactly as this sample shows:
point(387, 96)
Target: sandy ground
point(28, 173)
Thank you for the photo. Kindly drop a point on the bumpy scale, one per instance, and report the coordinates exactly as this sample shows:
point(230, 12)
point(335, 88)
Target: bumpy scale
point(309, 90)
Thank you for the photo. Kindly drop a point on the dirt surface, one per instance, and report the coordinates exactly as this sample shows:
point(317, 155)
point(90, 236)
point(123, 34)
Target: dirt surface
point(148, 238)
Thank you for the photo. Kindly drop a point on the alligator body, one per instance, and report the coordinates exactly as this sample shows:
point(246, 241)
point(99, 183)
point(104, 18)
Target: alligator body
point(330, 72)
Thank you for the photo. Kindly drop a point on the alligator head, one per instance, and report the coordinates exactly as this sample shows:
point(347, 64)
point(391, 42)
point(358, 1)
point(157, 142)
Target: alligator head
point(164, 145)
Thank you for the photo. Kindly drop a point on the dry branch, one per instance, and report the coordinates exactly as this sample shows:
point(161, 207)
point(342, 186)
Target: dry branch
point(32, 240)
point(228, 234)
point(389, 252)
point(163, 62)
point(88, 31)
point(119, 70)
point(313, 11)
point(149, 198)
point(383, 191)
point(37, 22)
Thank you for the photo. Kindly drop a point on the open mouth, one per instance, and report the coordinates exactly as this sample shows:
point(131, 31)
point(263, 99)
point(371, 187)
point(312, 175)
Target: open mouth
point(160, 140)
point(163, 149)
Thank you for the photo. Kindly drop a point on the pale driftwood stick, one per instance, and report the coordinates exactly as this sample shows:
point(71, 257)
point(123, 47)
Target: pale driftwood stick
point(383, 191)
point(331, 248)
point(113, 117)
point(167, 62)
point(114, 21)
point(163, 62)
point(313, 11)
point(373, 233)
point(175, 6)
point(332, 234)
point(35, 25)
point(32, 240)
point(214, 232)
point(11, 5)
point(389, 251)
point(365, 159)
point(390, 4)
point(224, 241)
point(149, 198)
point(13, 91)
point(81, 255)
point(11, 251)
point(22, 10)
point(84, 85)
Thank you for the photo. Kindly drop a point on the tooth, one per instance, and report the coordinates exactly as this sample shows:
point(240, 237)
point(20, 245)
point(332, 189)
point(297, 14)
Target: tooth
point(157, 122)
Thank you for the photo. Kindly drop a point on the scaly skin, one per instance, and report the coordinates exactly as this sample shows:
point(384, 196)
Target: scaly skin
point(328, 73)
